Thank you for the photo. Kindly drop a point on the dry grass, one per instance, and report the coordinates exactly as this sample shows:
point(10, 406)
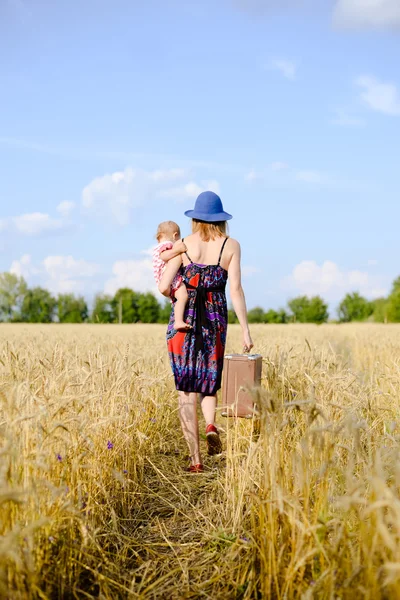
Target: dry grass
point(94, 502)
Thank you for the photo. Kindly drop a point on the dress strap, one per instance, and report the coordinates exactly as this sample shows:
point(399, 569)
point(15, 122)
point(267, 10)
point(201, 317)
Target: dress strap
point(188, 257)
point(222, 249)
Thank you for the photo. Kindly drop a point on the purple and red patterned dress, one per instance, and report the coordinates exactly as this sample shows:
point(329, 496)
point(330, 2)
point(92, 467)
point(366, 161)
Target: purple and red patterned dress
point(197, 356)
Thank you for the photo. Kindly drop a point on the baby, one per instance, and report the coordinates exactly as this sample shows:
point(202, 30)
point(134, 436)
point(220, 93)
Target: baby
point(167, 234)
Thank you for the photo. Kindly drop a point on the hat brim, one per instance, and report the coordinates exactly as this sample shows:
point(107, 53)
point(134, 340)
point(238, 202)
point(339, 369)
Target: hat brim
point(222, 216)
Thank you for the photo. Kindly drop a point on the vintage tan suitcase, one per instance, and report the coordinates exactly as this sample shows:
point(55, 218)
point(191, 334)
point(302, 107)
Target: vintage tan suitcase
point(242, 372)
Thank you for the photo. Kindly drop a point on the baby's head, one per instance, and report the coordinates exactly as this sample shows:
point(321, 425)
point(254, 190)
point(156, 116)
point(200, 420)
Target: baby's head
point(168, 231)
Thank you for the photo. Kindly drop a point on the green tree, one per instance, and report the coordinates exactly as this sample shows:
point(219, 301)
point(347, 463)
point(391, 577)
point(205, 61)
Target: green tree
point(317, 311)
point(273, 316)
point(309, 310)
point(71, 309)
point(148, 308)
point(165, 312)
point(299, 307)
point(12, 292)
point(354, 307)
point(232, 317)
point(396, 285)
point(393, 303)
point(103, 311)
point(393, 307)
point(256, 315)
point(380, 310)
point(125, 302)
point(38, 306)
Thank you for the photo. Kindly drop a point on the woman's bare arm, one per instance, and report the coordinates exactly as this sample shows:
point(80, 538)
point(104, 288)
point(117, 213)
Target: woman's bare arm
point(237, 295)
point(170, 271)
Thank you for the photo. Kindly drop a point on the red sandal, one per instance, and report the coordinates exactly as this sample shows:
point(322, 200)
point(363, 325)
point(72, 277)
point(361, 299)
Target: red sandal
point(214, 446)
point(196, 468)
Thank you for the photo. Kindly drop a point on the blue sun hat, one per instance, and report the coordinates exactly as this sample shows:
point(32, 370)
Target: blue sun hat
point(208, 208)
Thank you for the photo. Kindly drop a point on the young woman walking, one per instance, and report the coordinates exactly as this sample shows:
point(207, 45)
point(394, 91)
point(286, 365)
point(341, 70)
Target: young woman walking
point(197, 355)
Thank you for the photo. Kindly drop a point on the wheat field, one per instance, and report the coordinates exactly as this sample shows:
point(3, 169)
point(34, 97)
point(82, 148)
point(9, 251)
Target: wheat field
point(95, 502)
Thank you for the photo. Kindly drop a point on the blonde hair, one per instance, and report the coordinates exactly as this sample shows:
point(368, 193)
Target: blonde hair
point(168, 229)
point(209, 231)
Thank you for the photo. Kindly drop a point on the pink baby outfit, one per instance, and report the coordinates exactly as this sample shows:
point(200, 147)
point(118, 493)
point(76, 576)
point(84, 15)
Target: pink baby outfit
point(159, 266)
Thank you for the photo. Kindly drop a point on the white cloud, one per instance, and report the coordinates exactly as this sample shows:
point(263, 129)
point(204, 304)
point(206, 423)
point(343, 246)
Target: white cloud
point(381, 97)
point(351, 14)
point(212, 185)
point(278, 166)
point(24, 267)
point(135, 274)
point(66, 274)
point(168, 175)
point(328, 279)
point(286, 67)
point(310, 176)
point(343, 119)
point(32, 224)
point(36, 223)
point(63, 267)
point(65, 208)
point(252, 175)
point(181, 193)
point(189, 190)
point(59, 274)
point(118, 194)
point(362, 14)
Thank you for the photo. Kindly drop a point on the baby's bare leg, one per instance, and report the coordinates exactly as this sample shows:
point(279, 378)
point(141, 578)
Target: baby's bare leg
point(181, 296)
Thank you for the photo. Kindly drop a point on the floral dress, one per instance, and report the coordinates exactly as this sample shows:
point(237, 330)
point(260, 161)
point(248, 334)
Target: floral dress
point(197, 356)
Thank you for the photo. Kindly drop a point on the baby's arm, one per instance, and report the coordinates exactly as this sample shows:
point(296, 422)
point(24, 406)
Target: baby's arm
point(178, 248)
point(170, 271)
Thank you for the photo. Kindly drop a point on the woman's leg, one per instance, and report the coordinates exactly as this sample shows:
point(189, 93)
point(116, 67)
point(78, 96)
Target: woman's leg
point(189, 423)
point(208, 406)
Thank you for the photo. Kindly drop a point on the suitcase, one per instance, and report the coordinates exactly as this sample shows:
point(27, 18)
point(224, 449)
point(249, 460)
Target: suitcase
point(241, 373)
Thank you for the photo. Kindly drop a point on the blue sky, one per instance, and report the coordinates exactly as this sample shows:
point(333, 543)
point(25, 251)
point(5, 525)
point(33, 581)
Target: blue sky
point(115, 115)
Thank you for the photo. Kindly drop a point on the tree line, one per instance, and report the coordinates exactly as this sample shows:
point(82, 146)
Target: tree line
point(19, 303)
point(353, 307)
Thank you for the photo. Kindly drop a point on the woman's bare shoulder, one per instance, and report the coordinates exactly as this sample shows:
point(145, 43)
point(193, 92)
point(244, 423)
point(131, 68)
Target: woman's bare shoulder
point(189, 237)
point(233, 244)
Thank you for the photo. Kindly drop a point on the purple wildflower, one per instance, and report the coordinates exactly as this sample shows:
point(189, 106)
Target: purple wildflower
point(110, 445)
point(125, 471)
point(153, 420)
point(59, 457)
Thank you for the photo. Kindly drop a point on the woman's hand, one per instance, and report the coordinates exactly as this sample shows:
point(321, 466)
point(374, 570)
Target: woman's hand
point(247, 341)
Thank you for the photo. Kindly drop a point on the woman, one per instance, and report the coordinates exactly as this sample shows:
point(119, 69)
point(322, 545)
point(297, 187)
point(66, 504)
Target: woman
point(197, 354)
